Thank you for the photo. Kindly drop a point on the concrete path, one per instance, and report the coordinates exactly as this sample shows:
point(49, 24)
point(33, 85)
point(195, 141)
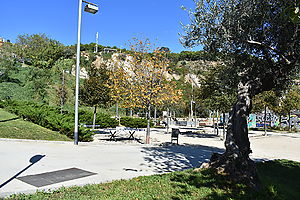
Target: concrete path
point(115, 160)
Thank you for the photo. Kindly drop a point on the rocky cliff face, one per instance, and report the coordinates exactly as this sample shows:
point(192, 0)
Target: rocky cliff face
point(125, 60)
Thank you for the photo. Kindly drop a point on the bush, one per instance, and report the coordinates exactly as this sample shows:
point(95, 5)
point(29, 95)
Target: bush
point(102, 119)
point(51, 118)
point(134, 122)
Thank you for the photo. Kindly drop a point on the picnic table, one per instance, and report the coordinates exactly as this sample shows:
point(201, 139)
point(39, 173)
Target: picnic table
point(114, 133)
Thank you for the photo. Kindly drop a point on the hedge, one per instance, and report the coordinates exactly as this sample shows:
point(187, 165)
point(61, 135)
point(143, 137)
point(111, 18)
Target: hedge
point(134, 122)
point(50, 117)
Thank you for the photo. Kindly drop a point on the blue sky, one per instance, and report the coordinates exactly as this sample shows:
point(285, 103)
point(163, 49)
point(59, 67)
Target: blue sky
point(117, 21)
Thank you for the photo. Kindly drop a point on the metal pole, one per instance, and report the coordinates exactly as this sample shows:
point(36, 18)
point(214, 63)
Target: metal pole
point(77, 73)
point(195, 114)
point(96, 48)
point(89, 3)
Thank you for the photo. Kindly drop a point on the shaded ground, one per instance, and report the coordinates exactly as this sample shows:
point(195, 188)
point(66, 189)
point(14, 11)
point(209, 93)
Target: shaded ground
point(175, 158)
point(276, 176)
point(125, 159)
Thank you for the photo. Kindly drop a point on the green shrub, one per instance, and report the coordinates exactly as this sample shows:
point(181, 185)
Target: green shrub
point(51, 118)
point(85, 134)
point(134, 122)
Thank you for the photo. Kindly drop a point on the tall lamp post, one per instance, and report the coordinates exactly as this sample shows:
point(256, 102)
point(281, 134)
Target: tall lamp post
point(91, 8)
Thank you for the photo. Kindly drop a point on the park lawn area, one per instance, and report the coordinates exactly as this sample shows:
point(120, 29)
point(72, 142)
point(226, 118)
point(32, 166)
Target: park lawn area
point(13, 127)
point(280, 180)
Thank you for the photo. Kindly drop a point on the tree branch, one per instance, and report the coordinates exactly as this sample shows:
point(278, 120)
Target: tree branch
point(269, 47)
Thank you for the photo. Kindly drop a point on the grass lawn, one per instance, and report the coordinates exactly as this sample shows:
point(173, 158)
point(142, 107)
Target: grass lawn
point(280, 180)
point(13, 127)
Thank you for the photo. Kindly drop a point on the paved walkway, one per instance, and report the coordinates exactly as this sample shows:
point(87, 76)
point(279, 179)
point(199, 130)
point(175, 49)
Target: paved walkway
point(117, 160)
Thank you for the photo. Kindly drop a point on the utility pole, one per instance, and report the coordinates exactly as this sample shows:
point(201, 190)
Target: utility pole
point(192, 101)
point(96, 46)
point(91, 8)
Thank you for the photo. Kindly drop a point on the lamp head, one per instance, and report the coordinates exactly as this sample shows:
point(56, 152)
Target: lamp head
point(91, 8)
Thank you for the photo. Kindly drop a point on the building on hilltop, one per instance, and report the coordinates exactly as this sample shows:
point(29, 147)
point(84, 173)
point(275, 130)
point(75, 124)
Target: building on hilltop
point(2, 40)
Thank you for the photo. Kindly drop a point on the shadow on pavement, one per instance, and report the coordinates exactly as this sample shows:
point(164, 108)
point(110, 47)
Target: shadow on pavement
point(198, 135)
point(177, 157)
point(33, 160)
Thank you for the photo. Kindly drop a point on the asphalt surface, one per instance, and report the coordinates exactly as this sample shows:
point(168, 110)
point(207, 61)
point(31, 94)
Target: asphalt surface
point(23, 160)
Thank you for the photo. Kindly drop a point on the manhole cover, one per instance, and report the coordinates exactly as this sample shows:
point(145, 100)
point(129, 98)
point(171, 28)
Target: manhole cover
point(48, 178)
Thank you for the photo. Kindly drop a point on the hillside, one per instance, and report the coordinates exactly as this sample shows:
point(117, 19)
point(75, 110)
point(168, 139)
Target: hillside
point(13, 127)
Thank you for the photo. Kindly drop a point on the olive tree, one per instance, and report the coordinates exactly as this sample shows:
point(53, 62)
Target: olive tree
point(261, 38)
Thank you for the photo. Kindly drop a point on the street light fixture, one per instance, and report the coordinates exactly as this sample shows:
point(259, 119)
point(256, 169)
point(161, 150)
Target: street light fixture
point(91, 8)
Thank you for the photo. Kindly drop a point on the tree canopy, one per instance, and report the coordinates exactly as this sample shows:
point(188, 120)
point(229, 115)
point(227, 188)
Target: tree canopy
point(38, 50)
point(259, 34)
point(260, 41)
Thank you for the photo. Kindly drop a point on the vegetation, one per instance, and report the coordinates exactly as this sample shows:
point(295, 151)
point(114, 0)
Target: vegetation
point(259, 39)
point(50, 117)
point(134, 122)
point(280, 181)
point(264, 100)
point(38, 50)
point(54, 84)
point(11, 126)
point(143, 84)
point(51, 81)
point(291, 101)
point(95, 90)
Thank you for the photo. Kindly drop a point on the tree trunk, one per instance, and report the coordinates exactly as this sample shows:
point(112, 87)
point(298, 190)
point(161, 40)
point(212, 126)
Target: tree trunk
point(235, 161)
point(131, 112)
point(155, 120)
point(217, 122)
point(94, 119)
point(117, 113)
point(168, 120)
point(148, 125)
point(290, 124)
point(214, 126)
point(224, 126)
point(280, 118)
point(265, 121)
point(195, 116)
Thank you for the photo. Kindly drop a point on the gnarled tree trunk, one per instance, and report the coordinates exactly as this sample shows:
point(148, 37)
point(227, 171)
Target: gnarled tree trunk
point(235, 161)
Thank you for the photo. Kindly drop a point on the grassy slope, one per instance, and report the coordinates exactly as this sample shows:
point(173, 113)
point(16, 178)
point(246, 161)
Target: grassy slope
point(13, 127)
point(280, 180)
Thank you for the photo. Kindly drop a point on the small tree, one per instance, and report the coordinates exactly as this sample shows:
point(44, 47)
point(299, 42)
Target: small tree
point(61, 81)
point(119, 84)
point(291, 101)
point(264, 100)
point(217, 89)
point(39, 81)
point(143, 83)
point(95, 90)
